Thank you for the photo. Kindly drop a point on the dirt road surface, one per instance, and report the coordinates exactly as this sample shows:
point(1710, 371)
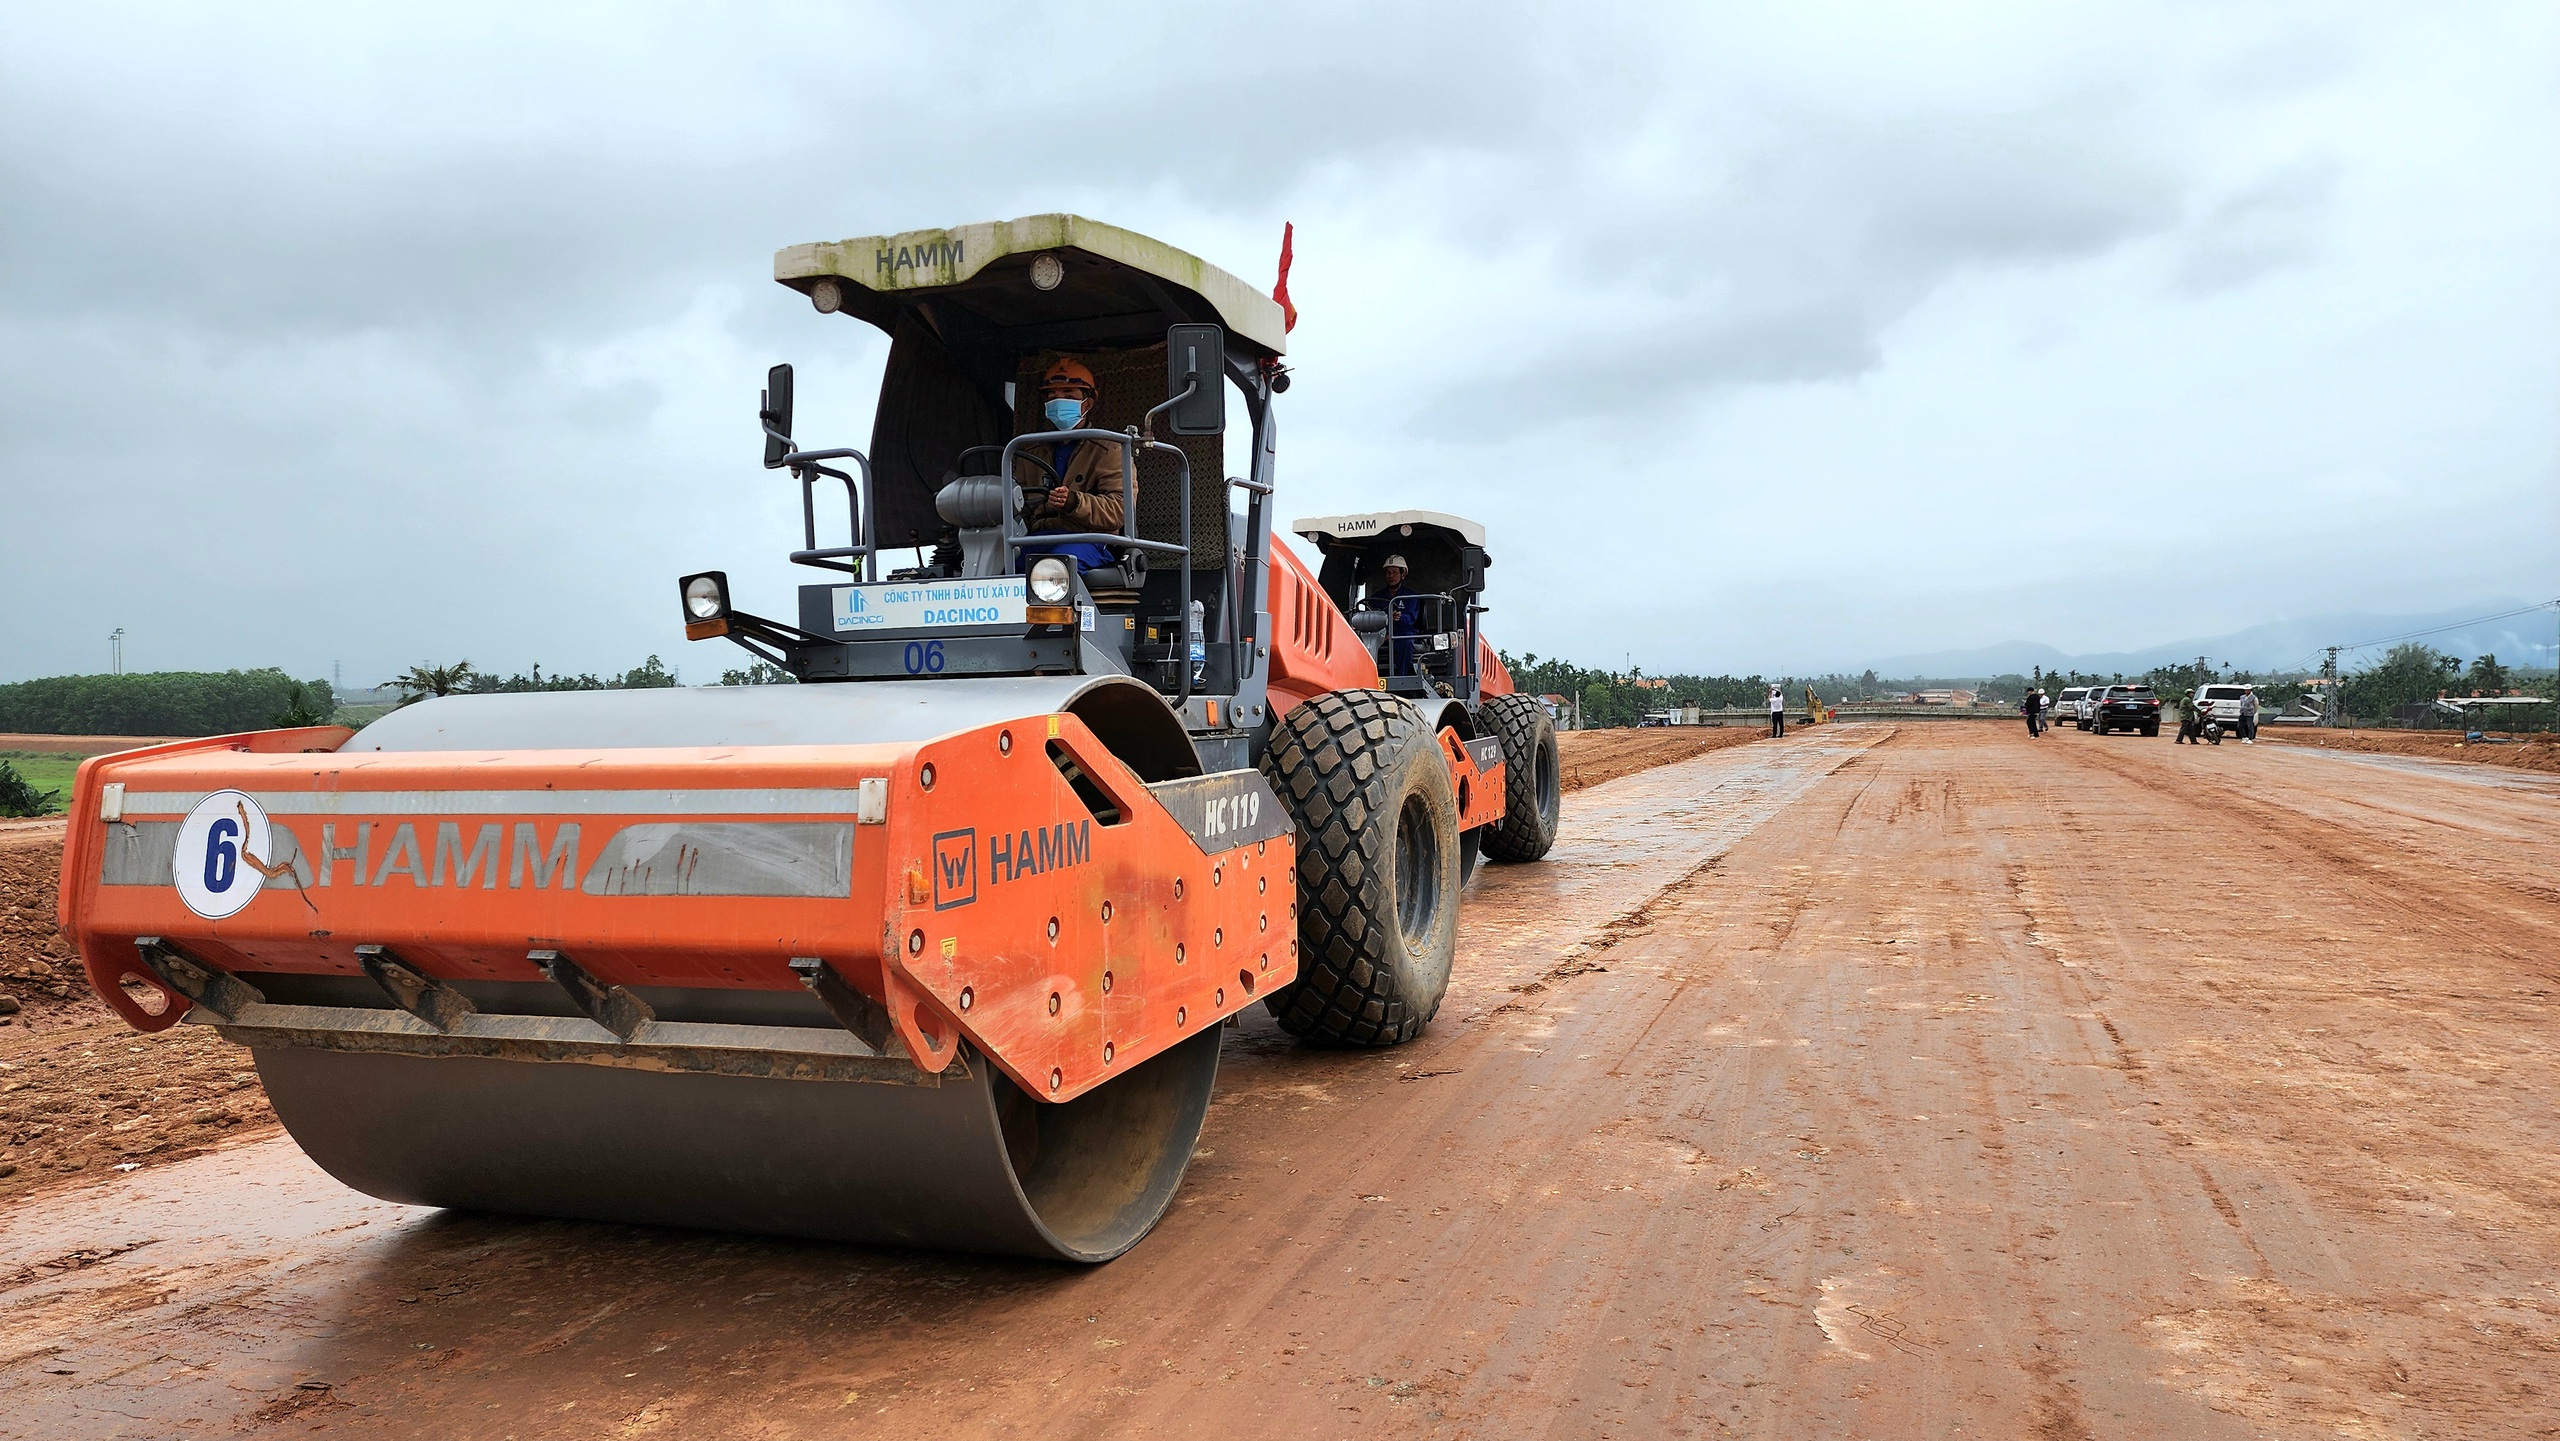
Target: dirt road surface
point(1917, 1081)
point(1591, 757)
point(2529, 751)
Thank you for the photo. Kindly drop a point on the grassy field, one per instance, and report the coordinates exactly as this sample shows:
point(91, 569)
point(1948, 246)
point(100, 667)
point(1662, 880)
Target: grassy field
point(45, 772)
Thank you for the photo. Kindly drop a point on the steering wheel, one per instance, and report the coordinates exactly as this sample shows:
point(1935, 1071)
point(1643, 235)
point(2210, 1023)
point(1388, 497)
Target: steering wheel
point(1031, 491)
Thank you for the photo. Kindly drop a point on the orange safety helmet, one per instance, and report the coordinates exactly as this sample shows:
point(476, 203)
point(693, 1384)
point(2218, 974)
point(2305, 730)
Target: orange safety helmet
point(1067, 372)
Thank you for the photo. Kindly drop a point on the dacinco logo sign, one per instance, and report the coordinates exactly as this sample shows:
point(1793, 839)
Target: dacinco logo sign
point(221, 860)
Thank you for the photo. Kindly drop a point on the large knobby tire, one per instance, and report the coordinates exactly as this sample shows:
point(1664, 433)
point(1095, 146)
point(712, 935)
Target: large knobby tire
point(1532, 787)
point(1378, 868)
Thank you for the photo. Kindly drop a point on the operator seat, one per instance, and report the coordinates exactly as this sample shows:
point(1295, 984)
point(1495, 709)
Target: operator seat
point(1372, 627)
point(975, 504)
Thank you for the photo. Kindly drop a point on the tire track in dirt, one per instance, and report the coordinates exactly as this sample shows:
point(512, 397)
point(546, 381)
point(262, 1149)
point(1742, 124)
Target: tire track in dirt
point(2076, 983)
point(1942, 815)
point(1687, 815)
point(2129, 1062)
point(2361, 1054)
point(2450, 900)
point(1742, 944)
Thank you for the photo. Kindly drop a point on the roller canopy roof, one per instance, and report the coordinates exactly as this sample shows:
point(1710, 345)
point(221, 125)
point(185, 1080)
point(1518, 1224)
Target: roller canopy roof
point(1324, 528)
point(1119, 288)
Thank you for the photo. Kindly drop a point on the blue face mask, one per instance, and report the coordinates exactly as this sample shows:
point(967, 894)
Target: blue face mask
point(1063, 414)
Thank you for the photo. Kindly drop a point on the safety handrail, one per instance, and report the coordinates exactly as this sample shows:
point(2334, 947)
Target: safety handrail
point(1182, 663)
point(1447, 605)
point(804, 465)
point(1128, 443)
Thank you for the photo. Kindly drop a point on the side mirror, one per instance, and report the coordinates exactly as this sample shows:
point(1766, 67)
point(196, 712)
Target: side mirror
point(1196, 356)
point(775, 412)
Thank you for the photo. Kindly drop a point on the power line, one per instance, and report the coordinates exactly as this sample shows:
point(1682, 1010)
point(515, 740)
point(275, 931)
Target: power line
point(2456, 625)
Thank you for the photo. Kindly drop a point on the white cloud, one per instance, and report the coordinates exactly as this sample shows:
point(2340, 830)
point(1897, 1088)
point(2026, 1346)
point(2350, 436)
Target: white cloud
point(1761, 337)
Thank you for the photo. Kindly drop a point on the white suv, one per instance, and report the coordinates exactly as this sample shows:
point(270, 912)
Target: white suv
point(2221, 703)
point(2072, 704)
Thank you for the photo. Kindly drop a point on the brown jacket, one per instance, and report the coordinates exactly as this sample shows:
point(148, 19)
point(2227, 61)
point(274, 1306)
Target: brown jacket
point(1093, 474)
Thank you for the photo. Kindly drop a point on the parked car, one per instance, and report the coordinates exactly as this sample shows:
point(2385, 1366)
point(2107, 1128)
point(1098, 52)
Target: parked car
point(2222, 703)
point(2124, 708)
point(2068, 705)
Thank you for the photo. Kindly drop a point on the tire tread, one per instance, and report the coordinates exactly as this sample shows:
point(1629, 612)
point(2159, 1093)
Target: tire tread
point(1523, 727)
point(1330, 759)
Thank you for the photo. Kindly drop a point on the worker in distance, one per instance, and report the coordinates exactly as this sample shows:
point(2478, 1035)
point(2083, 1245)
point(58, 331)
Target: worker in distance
point(1084, 478)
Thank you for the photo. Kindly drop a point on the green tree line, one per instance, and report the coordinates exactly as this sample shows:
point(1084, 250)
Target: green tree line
point(199, 703)
point(2412, 674)
point(1609, 699)
point(164, 703)
point(419, 682)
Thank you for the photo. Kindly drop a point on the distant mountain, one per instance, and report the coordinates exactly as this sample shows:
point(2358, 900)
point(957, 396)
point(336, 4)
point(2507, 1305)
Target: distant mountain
point(2522, 639)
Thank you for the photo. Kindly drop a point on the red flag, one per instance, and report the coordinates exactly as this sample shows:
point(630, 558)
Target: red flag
point(1280, 292)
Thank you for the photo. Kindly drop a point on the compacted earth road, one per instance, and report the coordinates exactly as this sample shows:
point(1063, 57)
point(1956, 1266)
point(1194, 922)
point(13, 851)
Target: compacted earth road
point(1917, 1080)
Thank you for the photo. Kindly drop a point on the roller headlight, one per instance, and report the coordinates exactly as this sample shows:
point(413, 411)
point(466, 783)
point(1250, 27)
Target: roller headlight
point(706, 596)
point(1053, 581)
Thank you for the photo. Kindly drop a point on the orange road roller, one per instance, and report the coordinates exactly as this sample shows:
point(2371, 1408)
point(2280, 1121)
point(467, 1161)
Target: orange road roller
point(932, 941)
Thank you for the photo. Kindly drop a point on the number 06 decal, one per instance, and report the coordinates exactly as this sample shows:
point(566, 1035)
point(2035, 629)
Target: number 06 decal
point(924, 657)
point(220, 862)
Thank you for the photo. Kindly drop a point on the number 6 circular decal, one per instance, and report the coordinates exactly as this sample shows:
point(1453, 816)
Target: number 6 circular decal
point(221, 857)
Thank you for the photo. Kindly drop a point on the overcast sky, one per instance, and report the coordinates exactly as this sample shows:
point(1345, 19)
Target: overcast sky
point(1762, 338)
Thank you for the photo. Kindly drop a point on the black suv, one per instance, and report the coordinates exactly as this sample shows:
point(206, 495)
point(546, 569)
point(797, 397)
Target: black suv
point(2122, 708)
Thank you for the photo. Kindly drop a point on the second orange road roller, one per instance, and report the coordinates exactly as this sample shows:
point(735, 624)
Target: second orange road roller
point(935, 944)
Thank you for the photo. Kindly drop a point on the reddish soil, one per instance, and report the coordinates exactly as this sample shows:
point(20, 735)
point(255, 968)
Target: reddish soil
point(1591, 757)
point(80, 1093)
point(1918, 1080)
point(77, 745)
point(2524, 752)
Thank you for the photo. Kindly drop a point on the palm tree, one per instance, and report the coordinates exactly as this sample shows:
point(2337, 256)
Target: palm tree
point(423, 681)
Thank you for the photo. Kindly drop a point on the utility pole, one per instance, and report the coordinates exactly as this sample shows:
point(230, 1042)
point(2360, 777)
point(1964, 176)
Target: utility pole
point(115, 650)
point(2329, 674)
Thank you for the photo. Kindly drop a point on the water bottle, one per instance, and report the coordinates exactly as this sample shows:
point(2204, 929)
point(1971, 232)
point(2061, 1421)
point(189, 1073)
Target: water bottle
point(1199, 645)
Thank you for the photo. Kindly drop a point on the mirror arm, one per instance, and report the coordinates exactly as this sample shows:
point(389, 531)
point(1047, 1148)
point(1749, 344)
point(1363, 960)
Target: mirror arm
point(804, 457)
point(1147, 425)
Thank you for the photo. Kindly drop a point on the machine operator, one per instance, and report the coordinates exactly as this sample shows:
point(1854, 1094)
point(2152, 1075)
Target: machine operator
point(1404, 613)
point(1085, 480)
